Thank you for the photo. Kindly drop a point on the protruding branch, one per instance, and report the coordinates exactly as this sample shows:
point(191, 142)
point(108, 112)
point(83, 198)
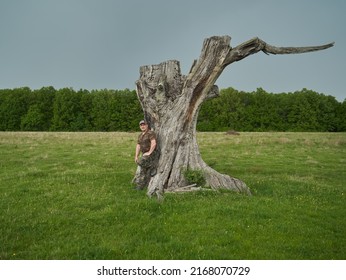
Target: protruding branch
point(255, 45)
point(214, 92)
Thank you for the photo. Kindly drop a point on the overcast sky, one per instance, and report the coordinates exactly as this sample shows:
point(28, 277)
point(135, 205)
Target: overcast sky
point(97, 44)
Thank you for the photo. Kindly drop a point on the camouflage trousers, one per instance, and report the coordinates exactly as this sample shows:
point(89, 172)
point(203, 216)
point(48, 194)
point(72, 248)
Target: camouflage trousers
point(145, 170)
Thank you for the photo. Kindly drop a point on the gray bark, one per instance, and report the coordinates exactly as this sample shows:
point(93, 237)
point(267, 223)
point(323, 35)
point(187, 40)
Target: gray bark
point(171, 102)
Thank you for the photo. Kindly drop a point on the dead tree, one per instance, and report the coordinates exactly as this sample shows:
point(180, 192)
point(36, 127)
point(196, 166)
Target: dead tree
point(171, 102)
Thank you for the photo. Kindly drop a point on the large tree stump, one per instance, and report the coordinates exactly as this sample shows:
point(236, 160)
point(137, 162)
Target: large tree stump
point(171, 102)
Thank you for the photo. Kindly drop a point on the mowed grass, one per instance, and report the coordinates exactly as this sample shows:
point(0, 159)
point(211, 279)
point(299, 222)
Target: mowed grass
point(69, 196)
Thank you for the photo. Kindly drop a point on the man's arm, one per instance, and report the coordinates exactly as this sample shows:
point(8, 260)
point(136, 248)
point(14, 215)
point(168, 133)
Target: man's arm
point(152, 147)
point(138, 148)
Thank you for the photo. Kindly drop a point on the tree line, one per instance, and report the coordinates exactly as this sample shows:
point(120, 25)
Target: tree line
point(303, 110)
point(49, 109)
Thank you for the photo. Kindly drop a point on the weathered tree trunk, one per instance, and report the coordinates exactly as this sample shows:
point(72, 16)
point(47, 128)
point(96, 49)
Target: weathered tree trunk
point(171, 102)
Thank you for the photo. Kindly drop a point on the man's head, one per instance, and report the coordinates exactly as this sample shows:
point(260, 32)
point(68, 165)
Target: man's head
point(143, 125)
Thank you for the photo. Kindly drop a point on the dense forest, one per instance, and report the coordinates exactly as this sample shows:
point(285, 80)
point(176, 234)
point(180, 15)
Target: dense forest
point(303, 110)
point(49, 109)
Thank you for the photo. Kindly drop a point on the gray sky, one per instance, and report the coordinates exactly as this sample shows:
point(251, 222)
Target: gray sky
point(97, 44)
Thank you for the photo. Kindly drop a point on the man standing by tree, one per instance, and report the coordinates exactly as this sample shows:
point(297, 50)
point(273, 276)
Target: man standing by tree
point(146, 144)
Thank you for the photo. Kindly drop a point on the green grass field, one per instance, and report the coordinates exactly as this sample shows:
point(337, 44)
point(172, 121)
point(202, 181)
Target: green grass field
point(69, 196)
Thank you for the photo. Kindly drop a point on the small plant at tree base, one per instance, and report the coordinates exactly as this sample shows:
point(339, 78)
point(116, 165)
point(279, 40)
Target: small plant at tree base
point(194, 176)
